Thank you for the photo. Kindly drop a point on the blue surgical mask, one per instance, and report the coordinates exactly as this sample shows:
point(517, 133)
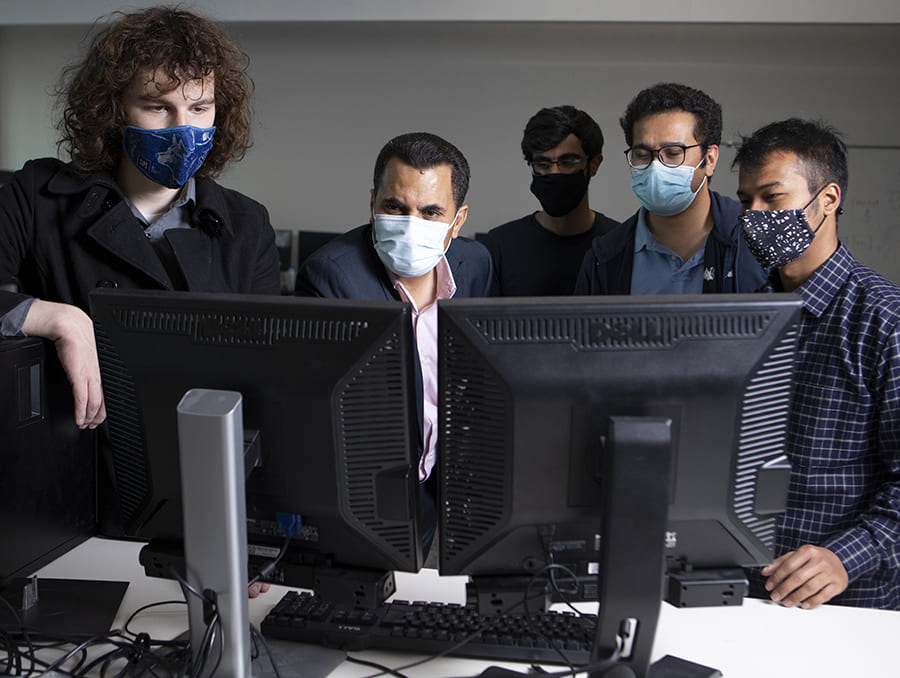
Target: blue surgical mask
point(665, 191)
point(168, 157)
point(409, 246)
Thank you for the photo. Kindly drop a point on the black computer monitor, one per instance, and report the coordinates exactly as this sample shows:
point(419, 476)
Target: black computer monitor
point(532, 392)
point(329, 405)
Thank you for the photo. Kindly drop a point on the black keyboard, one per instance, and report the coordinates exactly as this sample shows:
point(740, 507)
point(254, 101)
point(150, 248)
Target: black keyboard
point(432, 628)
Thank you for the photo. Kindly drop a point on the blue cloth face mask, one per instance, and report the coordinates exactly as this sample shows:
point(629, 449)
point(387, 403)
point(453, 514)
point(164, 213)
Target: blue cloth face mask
point(170, 156)
point(665, 191)
point(410, 246)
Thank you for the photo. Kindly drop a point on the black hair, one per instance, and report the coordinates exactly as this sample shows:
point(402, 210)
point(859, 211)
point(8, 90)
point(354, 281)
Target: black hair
point(666, 97)
point(549, 126)
point(818, 145)
point(421, 150)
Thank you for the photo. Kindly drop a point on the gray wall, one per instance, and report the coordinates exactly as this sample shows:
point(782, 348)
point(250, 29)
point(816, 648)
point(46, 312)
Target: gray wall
point(330, 93)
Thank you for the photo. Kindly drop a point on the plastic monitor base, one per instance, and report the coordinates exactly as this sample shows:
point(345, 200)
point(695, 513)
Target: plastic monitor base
point(69, 608)
point(291, 658)
point(667, 667)
point(674, 667)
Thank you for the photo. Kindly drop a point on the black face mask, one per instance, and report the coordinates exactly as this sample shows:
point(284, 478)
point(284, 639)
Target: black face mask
point(559, 194)
point(778, 237)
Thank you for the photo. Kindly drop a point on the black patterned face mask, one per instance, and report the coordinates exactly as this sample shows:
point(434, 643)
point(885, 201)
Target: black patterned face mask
point(778, 237)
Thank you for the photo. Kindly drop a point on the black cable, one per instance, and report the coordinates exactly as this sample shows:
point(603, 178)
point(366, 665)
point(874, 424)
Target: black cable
point(602, 665)
point(255, 633)
point(57, 665)
point(528, 618)
point(376, 665)
point(21, 624)
point(449, 650)
point(134, 651)
point(267, 570)
point(144, 608)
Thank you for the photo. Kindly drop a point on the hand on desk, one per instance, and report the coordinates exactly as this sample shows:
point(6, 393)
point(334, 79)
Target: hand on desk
point(809, 576)
point(255, 589)
point(72, 333)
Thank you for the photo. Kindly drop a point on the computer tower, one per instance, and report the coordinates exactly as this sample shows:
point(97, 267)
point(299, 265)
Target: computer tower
point(47, 465)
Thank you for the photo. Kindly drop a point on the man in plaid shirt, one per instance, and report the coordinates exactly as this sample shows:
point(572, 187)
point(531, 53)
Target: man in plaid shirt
point(839, 539)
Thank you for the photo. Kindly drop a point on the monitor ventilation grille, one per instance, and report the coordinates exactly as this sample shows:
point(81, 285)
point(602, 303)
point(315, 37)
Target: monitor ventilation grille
point(763, 432)
point(372, 430)
point(224, 328)
point(625, 330)
point(472, 452)
point(126, 432)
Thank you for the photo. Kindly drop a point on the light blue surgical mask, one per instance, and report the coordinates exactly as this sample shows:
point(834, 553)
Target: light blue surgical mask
point(408, 245)
point(170, 156)
point(665, 191)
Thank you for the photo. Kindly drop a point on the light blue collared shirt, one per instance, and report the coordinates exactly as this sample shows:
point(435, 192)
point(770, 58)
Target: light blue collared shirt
point(658, 270)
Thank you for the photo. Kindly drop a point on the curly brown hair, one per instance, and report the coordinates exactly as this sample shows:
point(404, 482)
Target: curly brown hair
point(184, 47)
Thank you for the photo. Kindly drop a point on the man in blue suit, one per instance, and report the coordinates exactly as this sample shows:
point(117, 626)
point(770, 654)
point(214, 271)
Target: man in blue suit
point(410, 251)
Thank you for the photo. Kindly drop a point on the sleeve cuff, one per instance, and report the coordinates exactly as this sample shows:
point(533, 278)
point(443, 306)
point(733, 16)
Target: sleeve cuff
point(12, 321)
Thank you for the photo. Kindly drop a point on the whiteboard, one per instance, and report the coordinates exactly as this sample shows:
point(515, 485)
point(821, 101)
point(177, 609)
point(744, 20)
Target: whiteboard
point(870, 225)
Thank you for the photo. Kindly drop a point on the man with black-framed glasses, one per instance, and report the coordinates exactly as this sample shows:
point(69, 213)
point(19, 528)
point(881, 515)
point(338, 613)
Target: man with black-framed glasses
point(539, 254)
point(685, 238)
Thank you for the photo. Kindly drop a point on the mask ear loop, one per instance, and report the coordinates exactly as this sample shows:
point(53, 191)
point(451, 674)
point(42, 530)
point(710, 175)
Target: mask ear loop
point(702, 183)
point(816, 230)
point(455, 217)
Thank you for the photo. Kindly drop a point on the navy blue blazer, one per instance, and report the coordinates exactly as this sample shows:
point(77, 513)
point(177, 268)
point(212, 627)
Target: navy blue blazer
point(348, 267)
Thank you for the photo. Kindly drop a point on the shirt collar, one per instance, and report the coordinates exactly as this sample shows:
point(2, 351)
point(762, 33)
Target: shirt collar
point(643, 238)
point(445, 285)
point(187, 194)
point(827, 280)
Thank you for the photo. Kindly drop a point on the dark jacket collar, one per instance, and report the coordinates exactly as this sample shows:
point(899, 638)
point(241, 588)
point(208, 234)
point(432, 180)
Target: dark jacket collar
point(210, 211)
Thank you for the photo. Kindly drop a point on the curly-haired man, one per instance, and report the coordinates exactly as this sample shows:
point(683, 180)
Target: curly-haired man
point(156, 109)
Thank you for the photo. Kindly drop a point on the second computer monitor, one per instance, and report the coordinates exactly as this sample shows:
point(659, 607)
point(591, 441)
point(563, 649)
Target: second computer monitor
point(528, 391)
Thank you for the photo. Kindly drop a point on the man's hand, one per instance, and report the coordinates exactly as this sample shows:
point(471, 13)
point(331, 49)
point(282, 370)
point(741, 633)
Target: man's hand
point(809, 576)
point(256, 589)
point(72, 332)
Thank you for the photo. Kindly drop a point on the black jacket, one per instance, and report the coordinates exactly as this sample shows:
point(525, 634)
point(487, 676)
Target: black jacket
point(728, 264)
point(62, 235)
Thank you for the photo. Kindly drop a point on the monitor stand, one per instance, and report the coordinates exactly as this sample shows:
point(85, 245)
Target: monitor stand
point(637, 468)
point(60, 608)
point(211, 449)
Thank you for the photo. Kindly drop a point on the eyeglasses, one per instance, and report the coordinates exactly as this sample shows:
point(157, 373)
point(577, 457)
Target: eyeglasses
point(670, 156)
point(566, 164)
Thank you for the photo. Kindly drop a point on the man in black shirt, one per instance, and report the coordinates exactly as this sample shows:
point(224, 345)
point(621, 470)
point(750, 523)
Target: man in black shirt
point(540, 254)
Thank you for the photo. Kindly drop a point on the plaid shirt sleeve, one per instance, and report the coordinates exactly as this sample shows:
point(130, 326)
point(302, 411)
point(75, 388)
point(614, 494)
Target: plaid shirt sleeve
point(844, 433)
point(875, 538)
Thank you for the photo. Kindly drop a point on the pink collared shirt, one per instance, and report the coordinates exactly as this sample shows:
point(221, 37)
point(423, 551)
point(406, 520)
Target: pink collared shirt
point(424, 322)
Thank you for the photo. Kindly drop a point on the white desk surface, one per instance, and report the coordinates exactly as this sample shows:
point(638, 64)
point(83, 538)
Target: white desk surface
point(755, 640)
